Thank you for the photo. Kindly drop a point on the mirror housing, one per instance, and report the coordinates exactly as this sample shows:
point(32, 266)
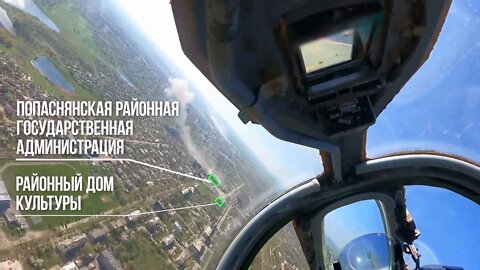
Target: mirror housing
point(250, 50)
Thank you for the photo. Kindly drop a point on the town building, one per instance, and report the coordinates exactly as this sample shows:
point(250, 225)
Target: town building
point(158, 206)
point(196, 249)
point(10, 265)
point(5, 201)
point(106, 261)
point(178, 227)
point(13, 219)
point(68, 248)
point(153, 225)
point(98, 234)
point(168, 241)
point(118, 223)
point(69, 266)
point(134, 215)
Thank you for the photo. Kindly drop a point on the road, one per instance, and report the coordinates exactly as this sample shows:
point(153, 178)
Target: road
point(229, 206)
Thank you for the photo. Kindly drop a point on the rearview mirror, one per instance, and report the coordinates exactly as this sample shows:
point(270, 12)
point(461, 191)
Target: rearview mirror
point(355, 237)
point(370, 251)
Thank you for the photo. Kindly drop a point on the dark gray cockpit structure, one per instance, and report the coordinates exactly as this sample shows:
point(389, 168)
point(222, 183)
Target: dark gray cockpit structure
point(316, 73)
point(319, 73)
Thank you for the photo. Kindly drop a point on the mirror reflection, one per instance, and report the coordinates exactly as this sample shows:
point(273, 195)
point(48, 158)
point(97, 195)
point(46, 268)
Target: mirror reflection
point(354, 237)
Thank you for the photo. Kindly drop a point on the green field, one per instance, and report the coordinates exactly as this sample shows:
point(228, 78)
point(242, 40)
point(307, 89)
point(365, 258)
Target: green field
point(92, 203)
point(3, 161)
point(35, 39)
point(75, 28)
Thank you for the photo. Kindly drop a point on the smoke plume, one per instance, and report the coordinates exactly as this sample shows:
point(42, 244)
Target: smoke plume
point(179, 90)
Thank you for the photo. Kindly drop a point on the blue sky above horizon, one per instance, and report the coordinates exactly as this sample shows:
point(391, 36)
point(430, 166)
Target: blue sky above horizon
point(439, 108)
point(449, 226)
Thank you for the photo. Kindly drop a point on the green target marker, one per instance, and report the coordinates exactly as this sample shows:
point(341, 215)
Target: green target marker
point(220, 201)
point(214, 180)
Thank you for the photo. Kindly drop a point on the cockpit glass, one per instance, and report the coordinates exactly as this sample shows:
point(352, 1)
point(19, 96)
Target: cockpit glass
point(453, 217)
point(439, 108)
point(185, 180)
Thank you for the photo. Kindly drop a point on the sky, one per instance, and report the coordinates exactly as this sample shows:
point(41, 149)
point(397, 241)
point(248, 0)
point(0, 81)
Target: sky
point(449, 226)
point(438, 109)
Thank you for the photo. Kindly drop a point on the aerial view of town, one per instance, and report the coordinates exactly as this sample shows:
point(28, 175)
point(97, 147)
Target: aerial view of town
point(52, 50)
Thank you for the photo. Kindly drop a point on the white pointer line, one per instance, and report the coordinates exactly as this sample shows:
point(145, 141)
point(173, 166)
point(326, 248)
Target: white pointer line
point(122, 215)
point(114, 159)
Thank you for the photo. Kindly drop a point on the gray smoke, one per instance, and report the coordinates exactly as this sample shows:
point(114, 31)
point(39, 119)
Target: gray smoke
point(180, 91)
